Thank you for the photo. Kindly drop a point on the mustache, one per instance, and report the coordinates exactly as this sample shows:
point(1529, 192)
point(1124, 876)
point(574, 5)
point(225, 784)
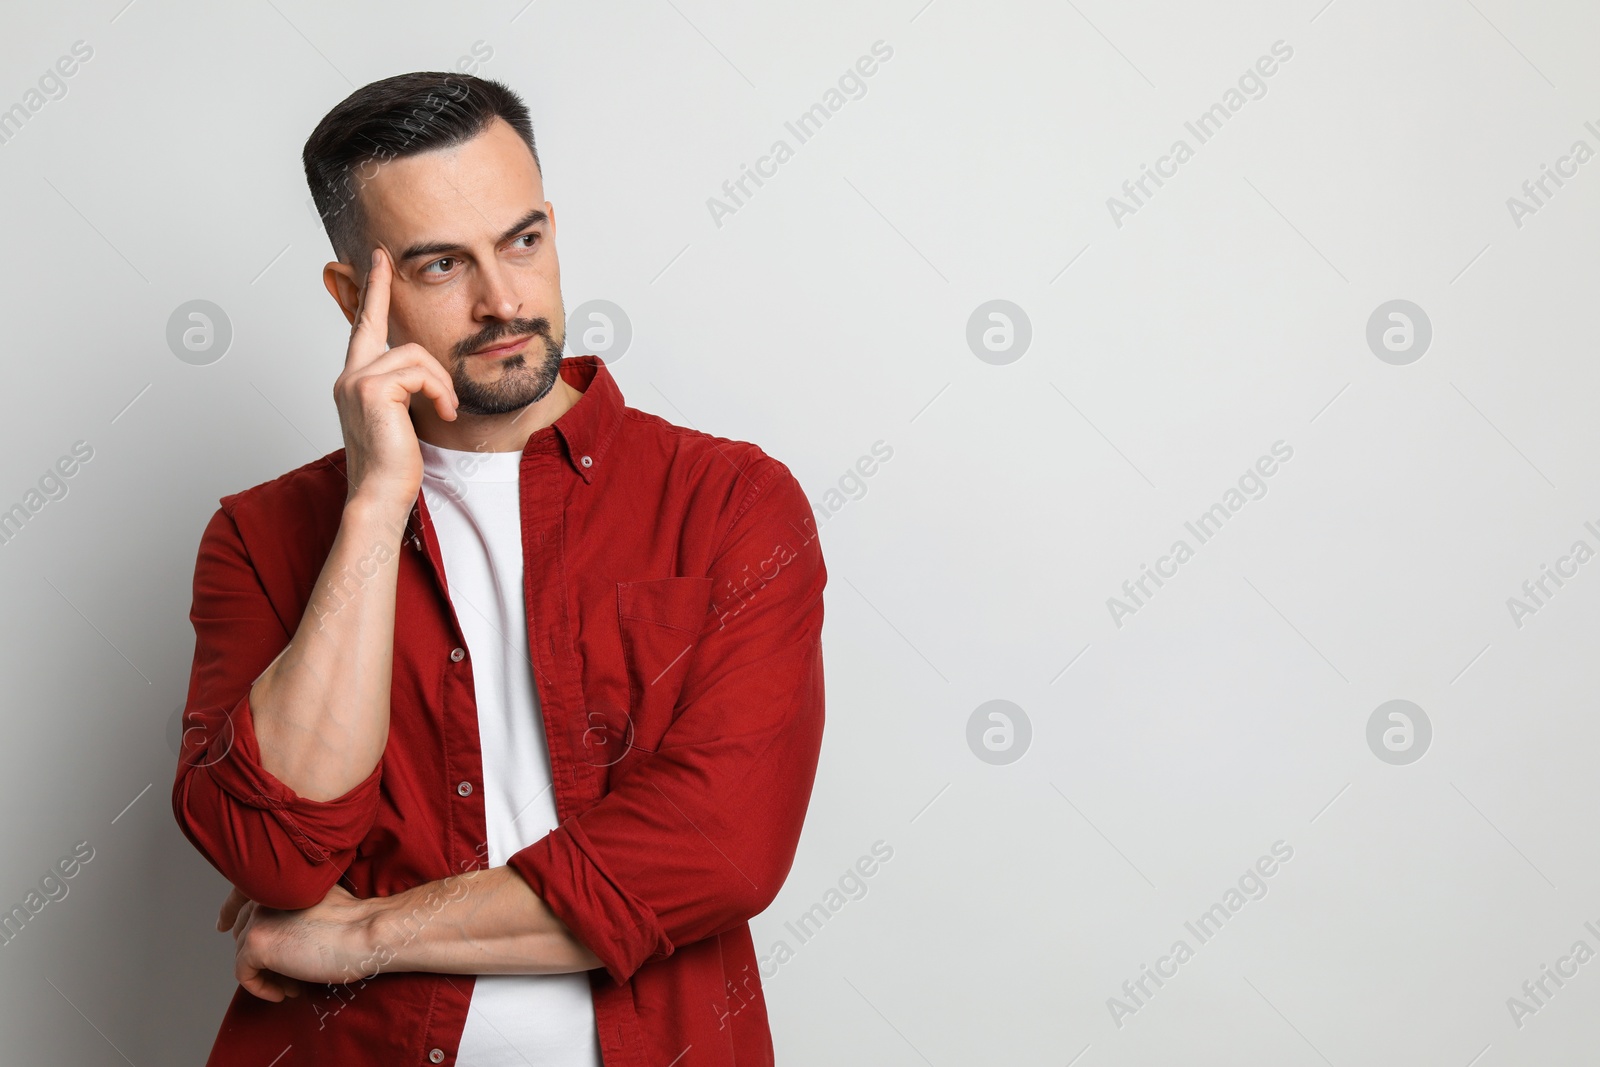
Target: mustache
point(503, 331)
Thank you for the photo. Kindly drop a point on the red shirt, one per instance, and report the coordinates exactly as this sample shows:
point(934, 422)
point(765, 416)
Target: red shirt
point(673, 585)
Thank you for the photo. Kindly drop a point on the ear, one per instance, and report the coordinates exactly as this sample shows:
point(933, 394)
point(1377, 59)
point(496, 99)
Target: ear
point(340, 281)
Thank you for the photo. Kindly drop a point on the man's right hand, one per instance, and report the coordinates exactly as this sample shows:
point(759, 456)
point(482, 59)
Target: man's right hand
point(373, 394)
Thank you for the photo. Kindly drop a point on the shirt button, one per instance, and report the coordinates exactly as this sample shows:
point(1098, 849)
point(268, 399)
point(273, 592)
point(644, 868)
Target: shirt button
point(437, 1055)
point(457, 655)
point(465, 789)
point(586, 461)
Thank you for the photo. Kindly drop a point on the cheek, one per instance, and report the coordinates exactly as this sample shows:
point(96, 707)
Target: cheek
point(538, 285)
point(438, 322)
point(543, 274)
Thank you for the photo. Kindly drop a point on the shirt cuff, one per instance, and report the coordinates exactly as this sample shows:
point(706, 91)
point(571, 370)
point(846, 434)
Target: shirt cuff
point(565, 870)
point(319, 828)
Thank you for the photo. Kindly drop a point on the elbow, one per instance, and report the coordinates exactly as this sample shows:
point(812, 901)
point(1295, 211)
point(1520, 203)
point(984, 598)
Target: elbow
point(302, 890)
point(287, 886)
point(250, 850)
point(750, 893)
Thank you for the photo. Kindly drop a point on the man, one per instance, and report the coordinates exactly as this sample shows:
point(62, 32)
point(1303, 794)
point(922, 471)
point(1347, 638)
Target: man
point(503, 718)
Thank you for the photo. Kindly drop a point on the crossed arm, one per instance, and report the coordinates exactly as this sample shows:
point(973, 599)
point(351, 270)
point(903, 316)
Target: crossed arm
point(479, 922)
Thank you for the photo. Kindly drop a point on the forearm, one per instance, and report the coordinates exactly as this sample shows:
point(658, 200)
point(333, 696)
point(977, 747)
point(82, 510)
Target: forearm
point(321, 709)
point(481, 922)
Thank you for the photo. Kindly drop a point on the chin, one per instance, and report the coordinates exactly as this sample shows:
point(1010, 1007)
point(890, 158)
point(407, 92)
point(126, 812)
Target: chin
point(521, 382)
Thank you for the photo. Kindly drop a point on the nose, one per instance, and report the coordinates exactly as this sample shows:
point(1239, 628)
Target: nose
point(497, 298)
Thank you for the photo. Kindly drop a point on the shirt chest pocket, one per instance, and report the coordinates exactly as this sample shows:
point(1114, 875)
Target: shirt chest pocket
point(661, 620)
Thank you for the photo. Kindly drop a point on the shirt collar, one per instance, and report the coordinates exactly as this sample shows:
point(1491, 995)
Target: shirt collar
point(583, 432)
point(586, 429)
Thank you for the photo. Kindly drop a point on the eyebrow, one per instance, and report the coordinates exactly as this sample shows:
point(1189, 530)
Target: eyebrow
point(439, 248)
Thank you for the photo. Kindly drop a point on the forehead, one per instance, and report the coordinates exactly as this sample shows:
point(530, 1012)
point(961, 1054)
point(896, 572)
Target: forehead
point(482, 184)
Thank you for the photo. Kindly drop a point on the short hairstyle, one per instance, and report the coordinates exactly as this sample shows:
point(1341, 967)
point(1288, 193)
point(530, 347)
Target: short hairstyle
point(400, 116)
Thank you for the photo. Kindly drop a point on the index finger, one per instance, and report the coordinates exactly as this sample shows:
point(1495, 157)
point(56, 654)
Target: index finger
point(369, 337)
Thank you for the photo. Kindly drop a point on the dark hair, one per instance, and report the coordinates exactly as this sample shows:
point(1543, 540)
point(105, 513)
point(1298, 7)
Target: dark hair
point(399, 116)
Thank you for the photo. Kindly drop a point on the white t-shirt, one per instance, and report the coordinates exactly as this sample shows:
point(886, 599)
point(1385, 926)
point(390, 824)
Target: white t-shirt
point(472, 498)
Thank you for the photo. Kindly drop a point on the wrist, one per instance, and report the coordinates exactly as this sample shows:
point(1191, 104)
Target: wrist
point(406, 929)
point(377, 515)
point(371, 933)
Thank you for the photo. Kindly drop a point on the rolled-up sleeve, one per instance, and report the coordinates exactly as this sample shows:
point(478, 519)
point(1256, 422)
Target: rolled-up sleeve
point(697, 837)
point(280, 849)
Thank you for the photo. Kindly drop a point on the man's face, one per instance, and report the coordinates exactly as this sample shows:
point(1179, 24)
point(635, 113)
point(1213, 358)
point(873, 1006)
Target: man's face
point(473, 243)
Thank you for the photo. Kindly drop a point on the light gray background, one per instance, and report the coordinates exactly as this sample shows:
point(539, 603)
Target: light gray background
point(828, 313)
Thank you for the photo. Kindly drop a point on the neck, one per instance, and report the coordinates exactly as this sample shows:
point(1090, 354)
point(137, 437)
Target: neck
point(492, 433)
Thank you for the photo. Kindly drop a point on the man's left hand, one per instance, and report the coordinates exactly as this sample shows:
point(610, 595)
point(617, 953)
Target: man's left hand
point(274, 950)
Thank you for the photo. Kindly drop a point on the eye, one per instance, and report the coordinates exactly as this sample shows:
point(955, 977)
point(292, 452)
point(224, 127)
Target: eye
point(429, 268)
point(531, 238)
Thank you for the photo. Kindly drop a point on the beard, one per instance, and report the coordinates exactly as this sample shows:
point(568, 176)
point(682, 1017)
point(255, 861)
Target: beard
point(520, 381)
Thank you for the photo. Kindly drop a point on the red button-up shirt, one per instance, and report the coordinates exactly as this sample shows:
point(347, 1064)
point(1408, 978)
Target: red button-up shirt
point(673, 586)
